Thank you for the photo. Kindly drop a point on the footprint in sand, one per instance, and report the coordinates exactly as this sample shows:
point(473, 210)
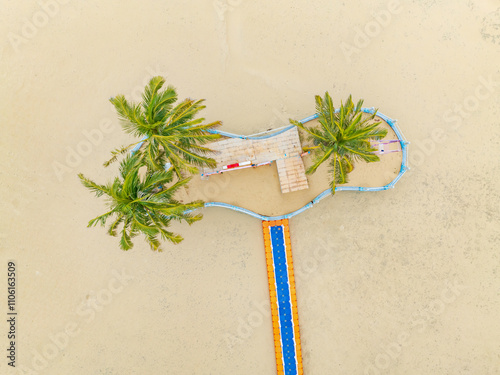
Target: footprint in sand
point(491, 27)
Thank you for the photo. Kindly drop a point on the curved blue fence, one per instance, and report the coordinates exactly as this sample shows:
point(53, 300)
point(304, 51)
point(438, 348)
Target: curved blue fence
point(328, 192)
point(272, 133)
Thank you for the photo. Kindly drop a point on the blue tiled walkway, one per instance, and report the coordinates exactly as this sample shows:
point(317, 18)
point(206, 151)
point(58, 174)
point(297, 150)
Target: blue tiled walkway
point(284, 300)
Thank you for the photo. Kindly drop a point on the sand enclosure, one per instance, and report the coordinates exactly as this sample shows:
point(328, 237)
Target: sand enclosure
point(400, 282)
point(258, 189)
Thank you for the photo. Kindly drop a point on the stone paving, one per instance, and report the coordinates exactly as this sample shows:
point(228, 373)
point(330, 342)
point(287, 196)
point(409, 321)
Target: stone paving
point(292, 174)
point(284, 148)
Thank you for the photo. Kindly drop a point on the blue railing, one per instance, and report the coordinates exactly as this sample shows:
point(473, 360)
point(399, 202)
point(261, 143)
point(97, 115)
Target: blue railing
point(328, 192)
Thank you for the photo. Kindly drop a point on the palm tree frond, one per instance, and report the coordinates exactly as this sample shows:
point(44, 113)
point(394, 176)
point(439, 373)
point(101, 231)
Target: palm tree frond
point(97, 189)
point(125, 240)
point(100, 219)
point(343, 137)
point(319, 160)
point(114, 225)
point(116, 153)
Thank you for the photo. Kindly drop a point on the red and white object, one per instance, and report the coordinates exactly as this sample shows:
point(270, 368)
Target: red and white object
point(236, 165)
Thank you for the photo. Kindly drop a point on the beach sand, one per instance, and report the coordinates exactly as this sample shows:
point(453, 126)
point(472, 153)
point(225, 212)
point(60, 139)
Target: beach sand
point(258, 189)
point(403, 281)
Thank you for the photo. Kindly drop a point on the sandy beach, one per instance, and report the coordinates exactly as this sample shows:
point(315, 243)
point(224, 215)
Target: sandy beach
point(258, 189)
point(403, 281)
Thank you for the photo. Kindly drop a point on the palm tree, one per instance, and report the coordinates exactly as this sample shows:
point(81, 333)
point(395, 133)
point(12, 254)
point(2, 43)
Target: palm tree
point(142, 204)
point(170, 134)
point(342, 138)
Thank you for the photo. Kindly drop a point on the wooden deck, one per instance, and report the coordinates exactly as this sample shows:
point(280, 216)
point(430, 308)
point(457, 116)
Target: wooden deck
point(284, 148)
point(292, 174)
point(284, 311)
